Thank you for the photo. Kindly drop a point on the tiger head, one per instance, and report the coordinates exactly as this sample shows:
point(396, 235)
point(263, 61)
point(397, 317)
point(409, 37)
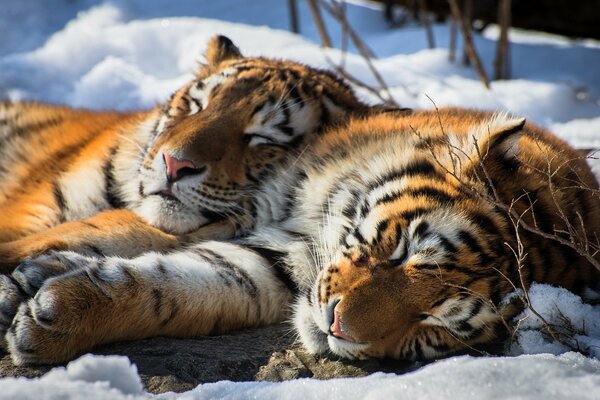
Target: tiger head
point(221, 134)
point(423, 264)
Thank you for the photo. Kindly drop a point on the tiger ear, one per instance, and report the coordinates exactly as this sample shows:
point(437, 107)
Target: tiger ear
point(504, 135)
point(499, 137)
point(221, 48)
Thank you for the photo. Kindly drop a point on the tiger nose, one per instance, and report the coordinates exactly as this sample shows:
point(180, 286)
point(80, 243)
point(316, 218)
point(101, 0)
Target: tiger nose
point(177, 169)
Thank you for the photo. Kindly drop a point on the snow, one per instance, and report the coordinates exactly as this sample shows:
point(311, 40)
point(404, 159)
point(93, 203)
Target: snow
point(130, 54)
point(564, 311)
point(542, 376)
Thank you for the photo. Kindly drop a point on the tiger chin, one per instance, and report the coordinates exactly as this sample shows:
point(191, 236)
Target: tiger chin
point(125, 183)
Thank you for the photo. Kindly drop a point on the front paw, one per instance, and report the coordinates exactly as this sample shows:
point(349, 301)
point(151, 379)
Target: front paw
point(30, 342)
point(51, 327)
point(26, 280)
point(11, 296)
point(33, 272)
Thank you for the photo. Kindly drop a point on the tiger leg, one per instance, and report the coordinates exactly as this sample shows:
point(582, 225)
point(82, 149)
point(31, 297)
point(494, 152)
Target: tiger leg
point(112, 233)
point(209, 288)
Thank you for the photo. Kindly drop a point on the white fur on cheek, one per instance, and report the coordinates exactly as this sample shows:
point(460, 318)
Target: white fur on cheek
point(312, 338)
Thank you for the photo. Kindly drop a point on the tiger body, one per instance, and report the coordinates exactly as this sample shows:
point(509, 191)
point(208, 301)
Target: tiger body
point(384, 238)
point(125, 183)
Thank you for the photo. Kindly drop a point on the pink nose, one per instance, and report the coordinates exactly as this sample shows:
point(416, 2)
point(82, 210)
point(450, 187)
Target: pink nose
point(177, 169)
point(336, 328)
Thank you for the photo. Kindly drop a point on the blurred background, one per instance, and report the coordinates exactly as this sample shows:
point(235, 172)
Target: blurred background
point(538, 58)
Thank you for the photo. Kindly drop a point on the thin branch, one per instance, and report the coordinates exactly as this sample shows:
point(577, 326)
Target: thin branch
point(469, 46)
point(318, 19)
point(426, 20)
point(336, 10)
point(293, 10)
point(501, 64)
point(452, 43)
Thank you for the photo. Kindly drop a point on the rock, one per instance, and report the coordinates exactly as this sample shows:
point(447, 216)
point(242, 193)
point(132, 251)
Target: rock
point(167, 364)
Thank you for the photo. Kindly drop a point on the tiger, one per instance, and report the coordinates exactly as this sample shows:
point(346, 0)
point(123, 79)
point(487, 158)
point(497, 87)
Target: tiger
point(392, 236)
point(125, 183)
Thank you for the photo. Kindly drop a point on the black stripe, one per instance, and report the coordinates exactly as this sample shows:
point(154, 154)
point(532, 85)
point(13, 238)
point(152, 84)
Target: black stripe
point(228, 271)
point(470, 241)
point(250, 177)
point(381, 227)
point(440, 348)
point(29, 129)
point(286, 130)
point(448, 246)
point(110, 185)
point(350, 210)
point(421, 167)
point(296, 97)
point(281, 270)
point(404, 254)
point(495, 296)
point(476, 309)
point(356, 233)
point(420, 230)
point(429, 192)
point(59, 200)
point(409, 215)
point(172, 314)
point(428, 267)
point(158, 301)
point(196, 102)
point(96, 251)
point(161, 268)
point(20, 288)
point(418, 350)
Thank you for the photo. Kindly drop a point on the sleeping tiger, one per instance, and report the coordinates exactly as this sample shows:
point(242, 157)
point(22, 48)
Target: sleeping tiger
point(124, 183)
point(390, 236)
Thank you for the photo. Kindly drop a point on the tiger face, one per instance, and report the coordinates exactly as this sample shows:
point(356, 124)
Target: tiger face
point(413, 288)
point(223, 133)
point(418, 265)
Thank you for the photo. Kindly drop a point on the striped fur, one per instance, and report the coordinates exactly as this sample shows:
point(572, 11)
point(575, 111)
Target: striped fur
point(96, 181)
point(378, 241)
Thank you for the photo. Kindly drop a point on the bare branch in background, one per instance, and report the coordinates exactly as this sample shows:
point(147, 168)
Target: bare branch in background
point(468, 18)
point(502, 62)
point(338, 12)
point(316, 15)
point(452, 42)
point(293, 7)
point(426, 20)
point(468, 39)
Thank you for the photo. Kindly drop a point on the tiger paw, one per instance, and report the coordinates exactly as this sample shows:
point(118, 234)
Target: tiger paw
point(54, 325)
point(11, 296)
point(33, 272)
point(25, 282)
point(30, 342)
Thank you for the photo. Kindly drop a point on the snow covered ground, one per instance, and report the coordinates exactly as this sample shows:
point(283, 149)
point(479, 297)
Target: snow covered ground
point(129, 54)
point(568, 376)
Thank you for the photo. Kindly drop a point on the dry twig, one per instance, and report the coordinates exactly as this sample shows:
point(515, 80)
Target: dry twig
point(501, 63)
point(468, 39)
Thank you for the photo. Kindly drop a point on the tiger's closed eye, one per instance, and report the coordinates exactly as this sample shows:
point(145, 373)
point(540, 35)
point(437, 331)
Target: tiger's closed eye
point(256, 139)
